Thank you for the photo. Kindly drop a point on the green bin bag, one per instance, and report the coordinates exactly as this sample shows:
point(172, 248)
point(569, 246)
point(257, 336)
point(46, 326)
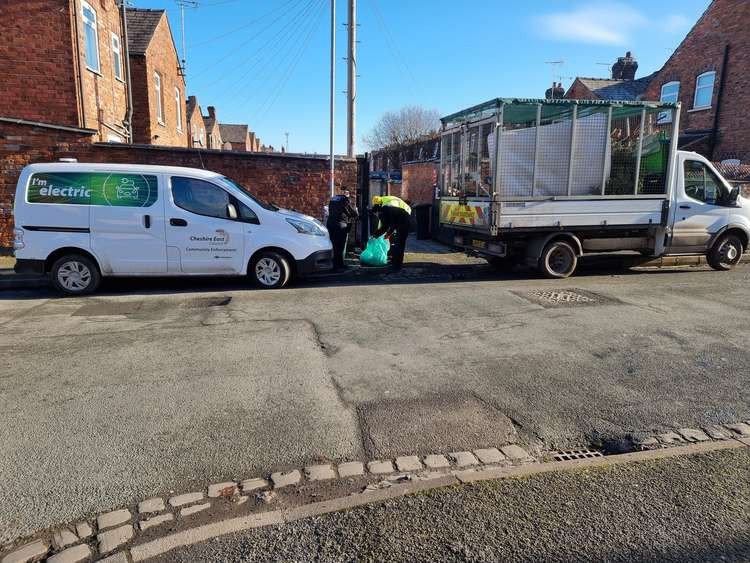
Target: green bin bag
point(376, 252)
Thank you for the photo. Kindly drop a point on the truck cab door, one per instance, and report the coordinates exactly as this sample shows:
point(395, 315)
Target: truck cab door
point(204, 227)
point(699, 210)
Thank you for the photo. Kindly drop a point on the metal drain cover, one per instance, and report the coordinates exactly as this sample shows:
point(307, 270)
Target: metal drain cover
point(563, 297)
point(568, 455)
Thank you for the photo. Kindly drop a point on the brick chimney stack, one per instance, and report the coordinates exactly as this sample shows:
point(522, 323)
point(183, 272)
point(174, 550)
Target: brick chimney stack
point(557, 92)
point(211, 112)
point(625, 67)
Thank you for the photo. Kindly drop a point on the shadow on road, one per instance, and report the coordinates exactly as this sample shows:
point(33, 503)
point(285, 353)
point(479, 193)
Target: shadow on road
point(412, 273)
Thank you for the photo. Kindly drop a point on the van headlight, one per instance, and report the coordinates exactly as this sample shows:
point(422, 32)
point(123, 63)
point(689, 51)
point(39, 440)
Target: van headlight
point(306, 227)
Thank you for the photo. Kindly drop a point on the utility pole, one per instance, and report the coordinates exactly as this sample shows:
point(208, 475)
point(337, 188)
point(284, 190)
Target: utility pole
point(351, 89)
point(333, 92)
point(182, 4)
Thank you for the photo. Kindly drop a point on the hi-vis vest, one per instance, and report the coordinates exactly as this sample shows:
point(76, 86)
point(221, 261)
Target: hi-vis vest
point(393, 201)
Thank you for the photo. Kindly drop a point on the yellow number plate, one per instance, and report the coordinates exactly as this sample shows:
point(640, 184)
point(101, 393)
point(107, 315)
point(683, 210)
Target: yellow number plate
point(479, 243)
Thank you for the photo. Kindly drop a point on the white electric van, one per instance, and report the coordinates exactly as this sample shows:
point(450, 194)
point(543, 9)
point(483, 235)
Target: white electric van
point(80, 222)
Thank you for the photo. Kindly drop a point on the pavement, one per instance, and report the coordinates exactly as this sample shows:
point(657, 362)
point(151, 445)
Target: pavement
point(155, 386)
point(682, 509)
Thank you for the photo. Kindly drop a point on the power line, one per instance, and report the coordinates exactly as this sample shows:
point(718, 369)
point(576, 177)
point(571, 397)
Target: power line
point(393, 46)
point(238, 28)
point(237, 48)
point(290, 70)
point(273, 46)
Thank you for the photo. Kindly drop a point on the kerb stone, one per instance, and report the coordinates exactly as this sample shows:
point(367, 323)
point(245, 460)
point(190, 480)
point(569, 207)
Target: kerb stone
point(112, 539)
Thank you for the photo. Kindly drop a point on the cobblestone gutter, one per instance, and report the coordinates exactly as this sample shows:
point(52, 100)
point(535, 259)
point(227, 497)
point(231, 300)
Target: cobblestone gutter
point(156, 525)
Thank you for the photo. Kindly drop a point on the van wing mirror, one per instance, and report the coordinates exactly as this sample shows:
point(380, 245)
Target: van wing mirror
point(231, 211)
point(734, 194)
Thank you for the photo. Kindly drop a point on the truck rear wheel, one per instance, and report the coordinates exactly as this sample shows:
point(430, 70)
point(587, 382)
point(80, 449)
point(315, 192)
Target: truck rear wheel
point(75, 274)
point(558, 260)
point(726, 253)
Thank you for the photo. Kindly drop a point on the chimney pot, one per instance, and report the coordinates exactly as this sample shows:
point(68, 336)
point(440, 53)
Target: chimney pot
point(211, 112)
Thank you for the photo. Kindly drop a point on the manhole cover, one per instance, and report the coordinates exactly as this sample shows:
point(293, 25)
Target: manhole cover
point(563, 297)
point(568, 455)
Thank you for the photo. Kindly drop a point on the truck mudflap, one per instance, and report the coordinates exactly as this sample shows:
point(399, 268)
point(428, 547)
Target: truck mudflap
point(473, 214)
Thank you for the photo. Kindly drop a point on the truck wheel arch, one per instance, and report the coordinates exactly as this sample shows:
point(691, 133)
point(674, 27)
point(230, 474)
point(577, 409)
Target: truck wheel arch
point(536, 246)
point(732, 229)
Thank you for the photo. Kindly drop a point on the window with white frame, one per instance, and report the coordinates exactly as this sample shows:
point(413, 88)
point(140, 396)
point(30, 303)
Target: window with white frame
point(704, 90)
point(178, 101)
point(90, 37)
point(670, 92)
point(202, 137)
point(116, 57)
point(159, 100)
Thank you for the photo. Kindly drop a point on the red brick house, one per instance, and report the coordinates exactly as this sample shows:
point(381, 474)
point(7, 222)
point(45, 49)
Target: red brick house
point(622, 85)
point(157, 82)
point(196, 126)
point(710, 74)
point(238, 137)
point(62, 62)
point(213, 133)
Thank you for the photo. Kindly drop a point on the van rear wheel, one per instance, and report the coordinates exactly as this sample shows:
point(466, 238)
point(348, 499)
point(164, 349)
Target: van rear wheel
point(75, 274)
point(270, 270)
point(558, 260)
point(726, 253)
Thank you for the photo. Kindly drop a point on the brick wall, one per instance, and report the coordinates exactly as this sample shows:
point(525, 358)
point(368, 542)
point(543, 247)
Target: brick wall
point(36, 62)
point(104, 95)
point(298, 182)
point(418, 181)
point(160, 57)
point(724, 22)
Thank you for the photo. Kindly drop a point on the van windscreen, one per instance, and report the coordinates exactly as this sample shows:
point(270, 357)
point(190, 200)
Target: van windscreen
point(263, 204)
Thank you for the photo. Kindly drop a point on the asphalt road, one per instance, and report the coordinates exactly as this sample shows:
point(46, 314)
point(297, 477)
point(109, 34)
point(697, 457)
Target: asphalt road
point(160, 386)
point(684, 509)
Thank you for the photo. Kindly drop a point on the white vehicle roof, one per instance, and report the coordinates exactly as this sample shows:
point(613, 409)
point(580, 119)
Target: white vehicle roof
point(109, 166)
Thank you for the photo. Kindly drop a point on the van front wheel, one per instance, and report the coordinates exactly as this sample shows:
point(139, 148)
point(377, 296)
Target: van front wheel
point(75, 274)
point(726, 253)
point(270, 270)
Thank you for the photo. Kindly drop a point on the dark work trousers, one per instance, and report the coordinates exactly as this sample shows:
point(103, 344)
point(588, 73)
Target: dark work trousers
point(339, 236)
point(398, 242)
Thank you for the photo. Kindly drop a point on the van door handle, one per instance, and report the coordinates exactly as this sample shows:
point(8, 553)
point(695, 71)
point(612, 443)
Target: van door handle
point(684, 207)
point(147, 221)
point(177, 222)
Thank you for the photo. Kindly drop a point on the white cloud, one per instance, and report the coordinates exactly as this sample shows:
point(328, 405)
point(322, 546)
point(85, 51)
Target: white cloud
point(606, 23)
point(674, 23)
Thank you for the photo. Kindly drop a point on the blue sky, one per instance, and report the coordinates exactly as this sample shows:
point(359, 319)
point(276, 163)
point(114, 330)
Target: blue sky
point(266, 63)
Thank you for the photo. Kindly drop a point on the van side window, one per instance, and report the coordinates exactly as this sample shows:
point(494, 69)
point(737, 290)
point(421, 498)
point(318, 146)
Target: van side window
point(702, 184)
point(200, 197)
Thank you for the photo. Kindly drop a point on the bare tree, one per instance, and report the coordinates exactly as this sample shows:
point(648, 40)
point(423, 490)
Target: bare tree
point(402, 127)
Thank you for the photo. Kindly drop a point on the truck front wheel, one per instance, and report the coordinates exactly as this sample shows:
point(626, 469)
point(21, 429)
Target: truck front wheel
point(726, 253)
point(558, 260)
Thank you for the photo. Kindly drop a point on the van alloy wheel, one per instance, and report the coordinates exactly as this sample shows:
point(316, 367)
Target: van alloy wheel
point(268, 272)
point(74, 276)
